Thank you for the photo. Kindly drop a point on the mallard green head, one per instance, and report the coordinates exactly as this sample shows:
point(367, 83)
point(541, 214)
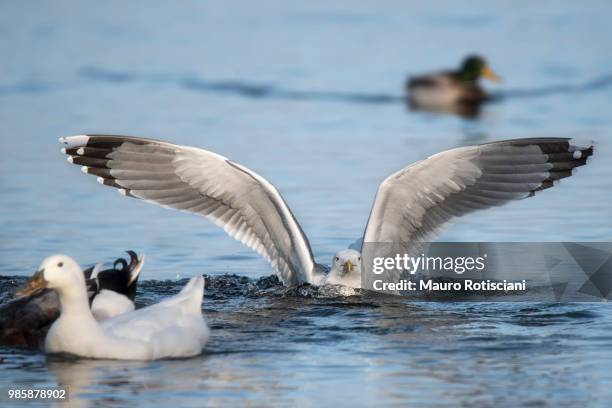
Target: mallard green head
point(474, 67)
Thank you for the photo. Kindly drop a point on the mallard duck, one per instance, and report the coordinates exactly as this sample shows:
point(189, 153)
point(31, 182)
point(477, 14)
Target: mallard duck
point(451, 87)
point(25, 320)
point(173, 327)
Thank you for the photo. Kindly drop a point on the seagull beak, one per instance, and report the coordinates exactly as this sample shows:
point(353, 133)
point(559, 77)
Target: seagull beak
point(348, 267)
point(36, 284)
point(490, 74)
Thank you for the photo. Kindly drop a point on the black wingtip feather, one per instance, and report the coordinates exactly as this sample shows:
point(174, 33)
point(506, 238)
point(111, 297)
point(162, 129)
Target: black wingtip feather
point(89, 161)
point(96, 152)
point(564, 154)
point(100, 172)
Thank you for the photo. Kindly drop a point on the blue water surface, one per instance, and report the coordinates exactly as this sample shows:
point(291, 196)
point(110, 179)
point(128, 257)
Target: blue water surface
point(307, 94)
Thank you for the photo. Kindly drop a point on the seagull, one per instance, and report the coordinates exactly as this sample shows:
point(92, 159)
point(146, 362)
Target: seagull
point(411, 206)
point(173, 327)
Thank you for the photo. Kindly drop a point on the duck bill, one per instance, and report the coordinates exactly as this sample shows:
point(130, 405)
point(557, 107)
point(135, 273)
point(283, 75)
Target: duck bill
point(348, 267)
point(490, 74)
point(36, 284)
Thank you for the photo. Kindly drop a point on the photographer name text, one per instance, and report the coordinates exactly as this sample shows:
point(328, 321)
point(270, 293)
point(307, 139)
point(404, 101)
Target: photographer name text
point(465, 285)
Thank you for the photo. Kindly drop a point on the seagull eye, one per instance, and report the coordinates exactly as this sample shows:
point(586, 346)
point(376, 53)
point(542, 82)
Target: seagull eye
point(337, 259)
point(60, 264)
point(359, 259)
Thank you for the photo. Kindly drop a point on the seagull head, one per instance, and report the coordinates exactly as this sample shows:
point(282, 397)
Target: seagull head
point(55, 272)
point(346, 267)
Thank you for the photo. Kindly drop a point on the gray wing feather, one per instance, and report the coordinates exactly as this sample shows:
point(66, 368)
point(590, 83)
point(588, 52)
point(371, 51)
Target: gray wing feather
point(413, 205)
point(236, 199)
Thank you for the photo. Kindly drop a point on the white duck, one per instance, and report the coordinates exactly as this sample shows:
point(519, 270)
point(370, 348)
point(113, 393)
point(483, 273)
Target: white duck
point(174, 327)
